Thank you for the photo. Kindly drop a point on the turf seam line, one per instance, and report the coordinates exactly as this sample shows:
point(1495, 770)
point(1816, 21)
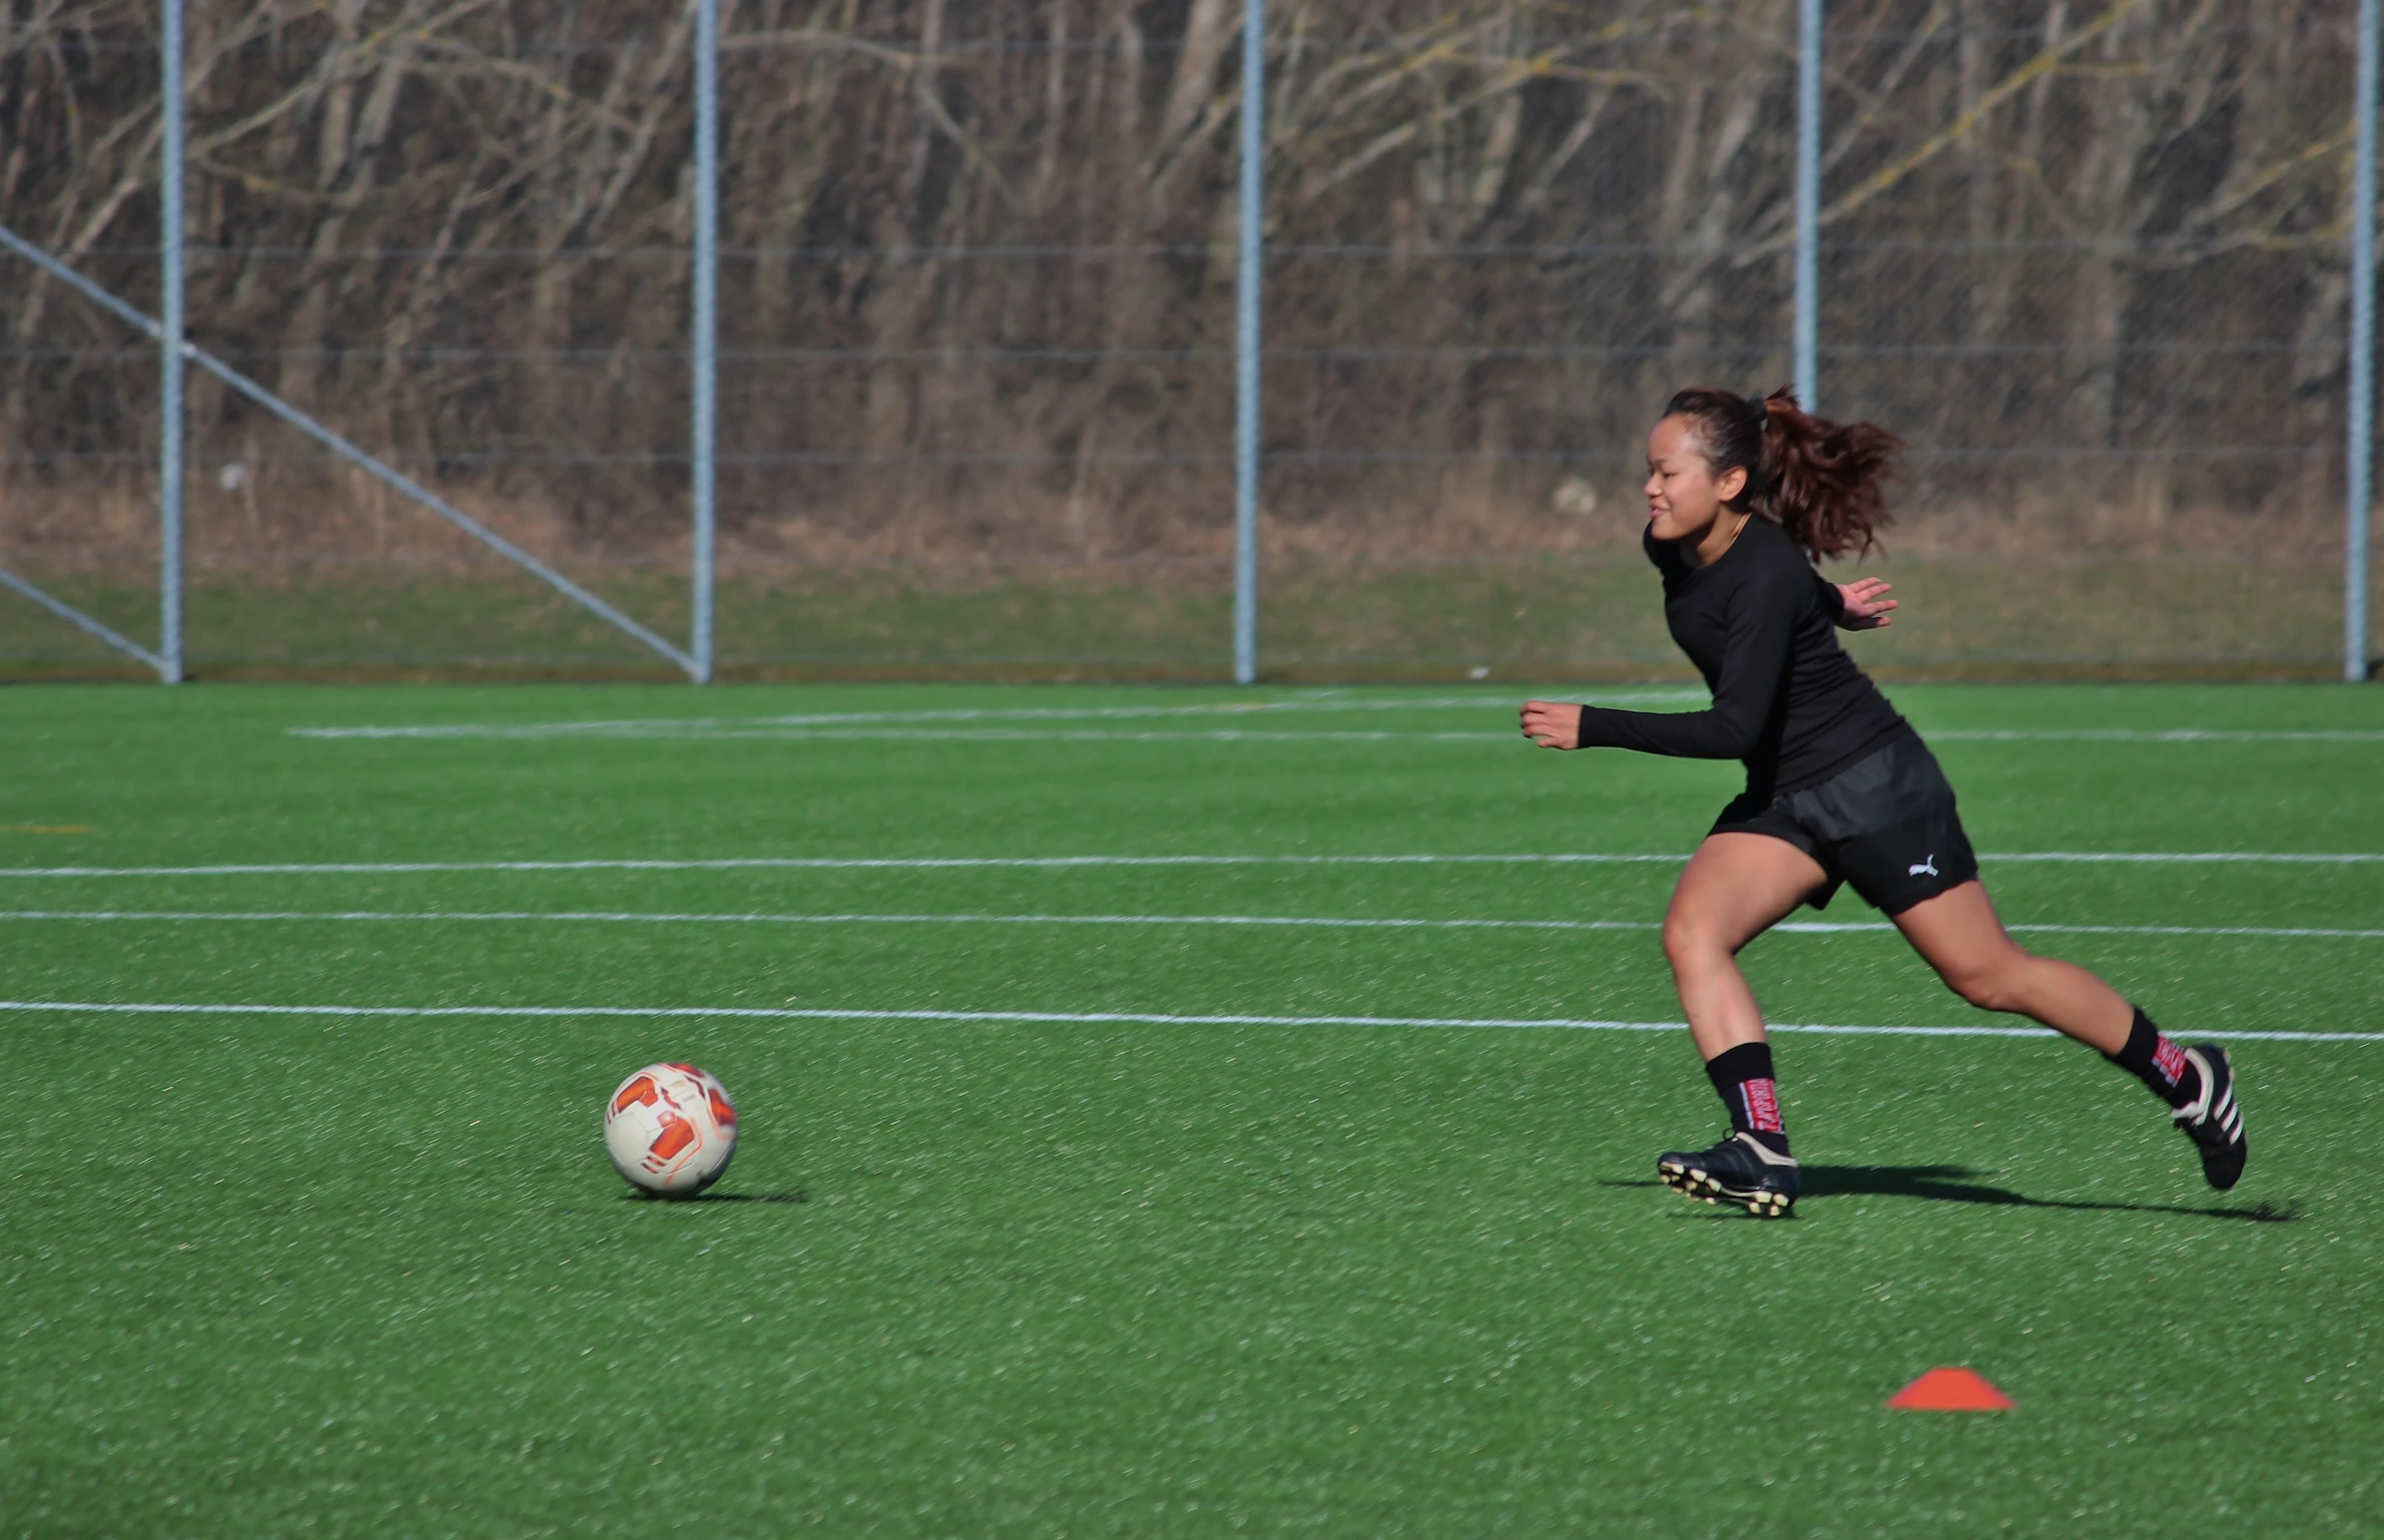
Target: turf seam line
point(1330, 923)
point(2158, 734)
point(1029, 862)
point(1061, 1018)
point(1485, 736)
point(1059, 736)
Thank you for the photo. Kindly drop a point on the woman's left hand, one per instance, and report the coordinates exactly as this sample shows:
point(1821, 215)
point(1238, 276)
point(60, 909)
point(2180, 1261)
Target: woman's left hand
point(1865, 604)
point(1551, 725)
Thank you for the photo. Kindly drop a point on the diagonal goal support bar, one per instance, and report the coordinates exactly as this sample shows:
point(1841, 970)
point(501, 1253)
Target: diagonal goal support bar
point(331, 440)
point(73, 617)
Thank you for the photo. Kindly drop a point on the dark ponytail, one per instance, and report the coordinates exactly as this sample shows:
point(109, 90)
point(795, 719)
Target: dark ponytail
point(1818, 480)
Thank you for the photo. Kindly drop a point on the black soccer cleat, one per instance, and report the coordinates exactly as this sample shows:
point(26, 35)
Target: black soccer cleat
point(1739, 1171)
point(2212, 1120)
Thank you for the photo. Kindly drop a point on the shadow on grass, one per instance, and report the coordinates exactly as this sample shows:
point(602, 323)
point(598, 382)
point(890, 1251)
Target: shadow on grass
point(1955, 1184)
point(797, 1196)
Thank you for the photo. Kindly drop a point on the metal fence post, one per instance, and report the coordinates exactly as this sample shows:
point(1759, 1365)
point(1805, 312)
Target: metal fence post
point(2361, 409)
point(702, 430)
point(387, 475)
point(1247, 339)
point(1807, 345)
point(170, 343)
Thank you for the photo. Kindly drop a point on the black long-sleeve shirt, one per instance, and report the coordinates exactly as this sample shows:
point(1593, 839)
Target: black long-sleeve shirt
point(1760, 624)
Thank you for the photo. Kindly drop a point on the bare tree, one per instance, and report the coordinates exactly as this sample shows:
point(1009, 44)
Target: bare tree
point(979, 277)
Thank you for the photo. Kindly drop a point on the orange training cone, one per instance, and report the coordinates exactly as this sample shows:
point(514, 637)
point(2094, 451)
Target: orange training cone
point(1949, 1391)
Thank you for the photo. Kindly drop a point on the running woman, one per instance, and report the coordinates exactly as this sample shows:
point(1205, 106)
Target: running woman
point(1744, 496)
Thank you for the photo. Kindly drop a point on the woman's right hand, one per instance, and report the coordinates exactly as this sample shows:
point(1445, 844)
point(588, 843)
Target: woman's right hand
point(1864, 603)
point(1551, 725)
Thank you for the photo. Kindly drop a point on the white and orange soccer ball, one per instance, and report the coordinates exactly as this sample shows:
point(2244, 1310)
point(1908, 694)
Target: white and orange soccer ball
point(670, 1129)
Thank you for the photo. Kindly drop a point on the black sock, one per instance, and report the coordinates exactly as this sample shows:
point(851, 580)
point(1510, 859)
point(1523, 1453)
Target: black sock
point(2160, 1064)
point(1742, 1076)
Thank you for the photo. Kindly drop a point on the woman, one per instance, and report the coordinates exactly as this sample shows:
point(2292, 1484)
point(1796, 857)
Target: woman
point(1743, 497)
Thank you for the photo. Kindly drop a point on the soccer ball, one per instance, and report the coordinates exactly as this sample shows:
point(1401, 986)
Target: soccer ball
point(670, 1129)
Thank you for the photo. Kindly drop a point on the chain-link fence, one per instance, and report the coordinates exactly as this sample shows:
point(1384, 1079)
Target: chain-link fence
point(976, 363)
point(2093, 266)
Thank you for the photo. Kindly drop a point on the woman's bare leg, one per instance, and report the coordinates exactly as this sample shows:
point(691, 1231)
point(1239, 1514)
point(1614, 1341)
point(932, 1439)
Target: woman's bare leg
point(1733, 889)
point(1960, 935)
point(1958, 932)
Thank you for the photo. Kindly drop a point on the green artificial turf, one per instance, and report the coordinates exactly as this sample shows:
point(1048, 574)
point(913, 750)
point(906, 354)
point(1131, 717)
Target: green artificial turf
point(371, 1276)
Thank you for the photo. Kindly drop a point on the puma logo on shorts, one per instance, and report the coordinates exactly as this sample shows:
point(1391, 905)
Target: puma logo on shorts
point(1862, 825)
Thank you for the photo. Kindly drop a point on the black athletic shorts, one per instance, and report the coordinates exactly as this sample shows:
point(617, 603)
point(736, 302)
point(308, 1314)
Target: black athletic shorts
point(1885, 824)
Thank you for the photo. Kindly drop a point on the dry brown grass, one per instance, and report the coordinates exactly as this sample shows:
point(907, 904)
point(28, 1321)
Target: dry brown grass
point(283, 525)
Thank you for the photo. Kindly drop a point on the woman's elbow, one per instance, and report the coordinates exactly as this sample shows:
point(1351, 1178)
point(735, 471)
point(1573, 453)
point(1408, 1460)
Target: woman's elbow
point(1737, 741)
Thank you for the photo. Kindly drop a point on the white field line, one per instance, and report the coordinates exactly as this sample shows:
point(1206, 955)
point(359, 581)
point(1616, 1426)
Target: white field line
point(1504, 738)
point(1054, 1019)
point(1063, 863)
point(967, 724)
point(1291, 921)
point(674, 727)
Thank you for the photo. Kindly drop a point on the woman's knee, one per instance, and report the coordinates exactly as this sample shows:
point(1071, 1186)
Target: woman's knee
point(1991, 983)
point(1691, 937)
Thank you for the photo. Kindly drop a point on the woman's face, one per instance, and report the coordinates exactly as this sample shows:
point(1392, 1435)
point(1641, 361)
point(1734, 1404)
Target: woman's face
point(1684, 496)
